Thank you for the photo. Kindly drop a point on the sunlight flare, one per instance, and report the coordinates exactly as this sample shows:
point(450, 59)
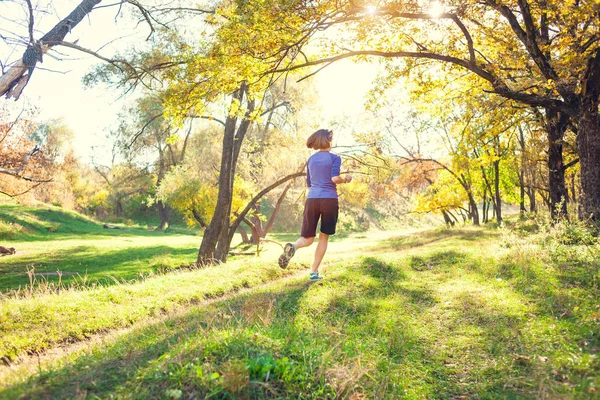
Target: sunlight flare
point(371, 10)
point(436, 9)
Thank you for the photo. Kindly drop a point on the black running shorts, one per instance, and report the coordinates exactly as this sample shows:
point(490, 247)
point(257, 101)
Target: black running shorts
point(324, 209)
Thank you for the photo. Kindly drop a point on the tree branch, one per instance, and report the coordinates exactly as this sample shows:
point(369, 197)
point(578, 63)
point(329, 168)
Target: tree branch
point(499, 87)
point(17, 171)
point(260, 194)
point(30, 7)
point(572, 163)
point(14, 80)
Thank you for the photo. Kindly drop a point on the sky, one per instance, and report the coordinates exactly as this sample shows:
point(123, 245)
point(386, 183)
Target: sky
point(56, 87)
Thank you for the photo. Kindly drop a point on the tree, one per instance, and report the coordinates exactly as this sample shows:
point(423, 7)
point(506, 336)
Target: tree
point(147, 137)
point(542, 54)
point(24, 164)
point(13, 81)
point(20, 34)
point(123, 180)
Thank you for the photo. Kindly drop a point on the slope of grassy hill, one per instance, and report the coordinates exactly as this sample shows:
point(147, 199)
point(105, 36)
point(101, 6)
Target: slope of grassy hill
point(438, 314)
point(55, 245)
point(21, 223)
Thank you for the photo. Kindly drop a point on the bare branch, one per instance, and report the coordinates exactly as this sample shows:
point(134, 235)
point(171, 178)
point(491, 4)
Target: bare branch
point(14, 80)
point(145, 14)
point(31, 39)
point(211, 118)
point(25, 191)
point(141, 132)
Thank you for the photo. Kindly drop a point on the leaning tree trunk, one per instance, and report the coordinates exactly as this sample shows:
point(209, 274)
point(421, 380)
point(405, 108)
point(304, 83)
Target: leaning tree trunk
point(497, 198)
point(447, 219)
point(472, 203)
point(556, 124)
point(271, 221)
point(588, 142)
point(244, 234)
point(242, 215)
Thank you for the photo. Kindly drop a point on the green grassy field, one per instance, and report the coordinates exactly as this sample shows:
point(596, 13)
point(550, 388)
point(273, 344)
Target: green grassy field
point(66, 246)
point(443, 313)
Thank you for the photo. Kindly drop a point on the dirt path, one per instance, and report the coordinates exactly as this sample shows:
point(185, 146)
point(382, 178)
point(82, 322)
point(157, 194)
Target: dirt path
point(31, 364)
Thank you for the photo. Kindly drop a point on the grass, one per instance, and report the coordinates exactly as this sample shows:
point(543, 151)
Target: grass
point(33, 224)
point(60, 245)
point(447, 313)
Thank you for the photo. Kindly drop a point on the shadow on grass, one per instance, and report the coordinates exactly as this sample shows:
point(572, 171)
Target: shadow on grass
point(381, 270)
point(95, 264)
point(424, 238)
point(142, 363)
point(335, 339)
point(254, 345)
point(438, 259)
point(41, 224)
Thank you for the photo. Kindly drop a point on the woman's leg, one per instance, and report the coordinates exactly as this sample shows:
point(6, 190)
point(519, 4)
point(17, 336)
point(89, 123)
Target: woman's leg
point(320, 251)
point(303, 242)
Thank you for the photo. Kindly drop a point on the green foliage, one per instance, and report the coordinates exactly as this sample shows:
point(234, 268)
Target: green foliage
point(195, 198)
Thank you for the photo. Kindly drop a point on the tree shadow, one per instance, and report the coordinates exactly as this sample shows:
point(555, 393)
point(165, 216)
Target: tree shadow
point(97, 265)
point(381, 270)
point(438, 259)
point(359, 333)
point(170, 344)
point(423, 238)
point(58, 225)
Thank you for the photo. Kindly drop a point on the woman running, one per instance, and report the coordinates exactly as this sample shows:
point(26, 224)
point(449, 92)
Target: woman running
point(322, 178)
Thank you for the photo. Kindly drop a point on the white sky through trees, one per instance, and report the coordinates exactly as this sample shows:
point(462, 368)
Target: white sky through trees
point(57, 91)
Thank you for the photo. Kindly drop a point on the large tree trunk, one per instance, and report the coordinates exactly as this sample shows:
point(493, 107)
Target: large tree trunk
point(556, 124)
point(216, 241)
point(119, 208)
point(588, 142)
point(226, 234)
point(219, 221)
